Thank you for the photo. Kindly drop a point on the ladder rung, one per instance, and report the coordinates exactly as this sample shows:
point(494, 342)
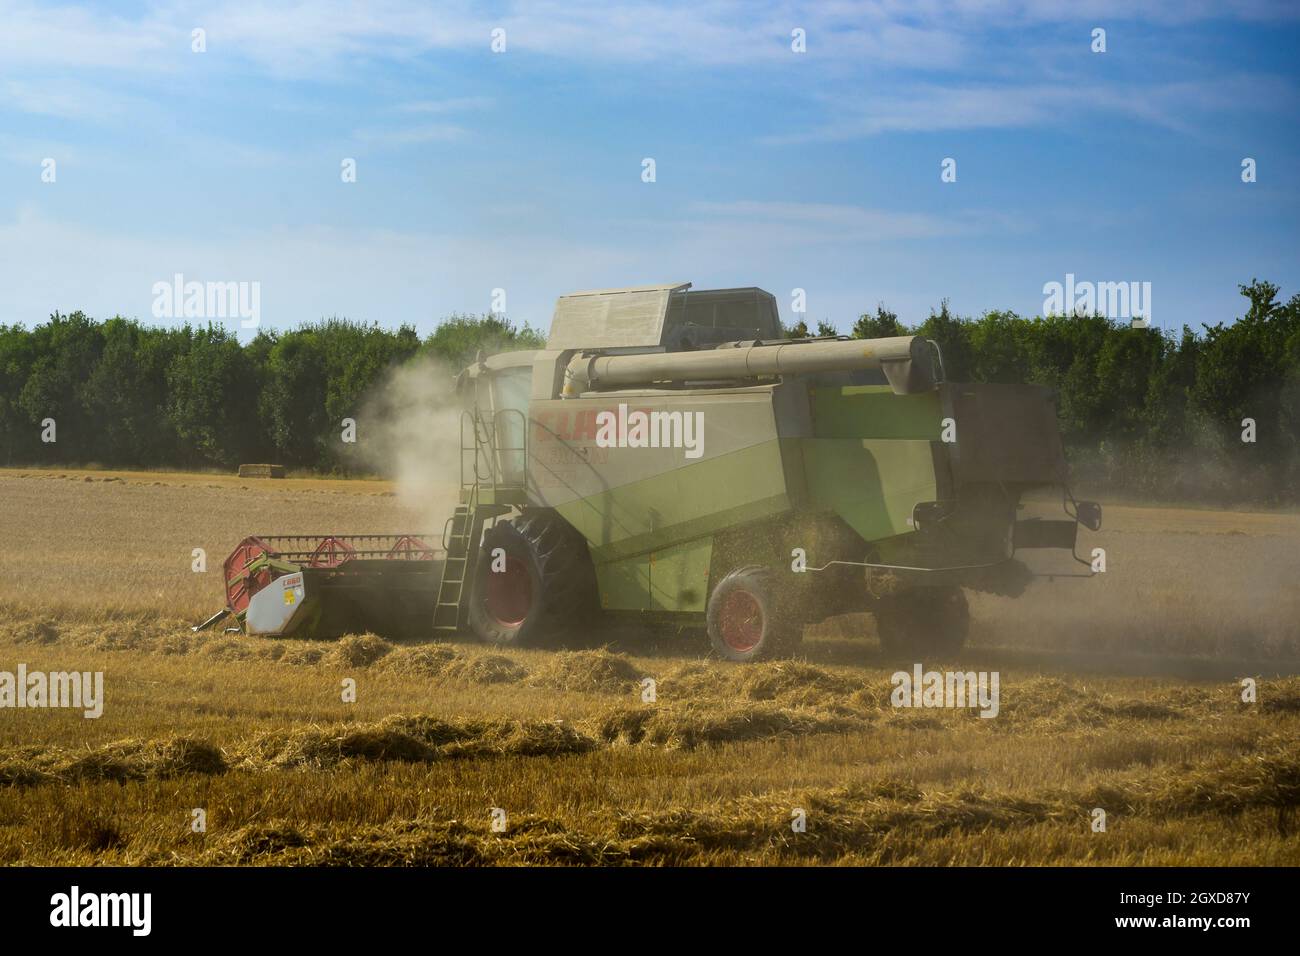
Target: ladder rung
point(459, 542)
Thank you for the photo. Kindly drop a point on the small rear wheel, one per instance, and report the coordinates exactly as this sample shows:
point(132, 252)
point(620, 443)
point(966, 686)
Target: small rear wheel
point(745, 618)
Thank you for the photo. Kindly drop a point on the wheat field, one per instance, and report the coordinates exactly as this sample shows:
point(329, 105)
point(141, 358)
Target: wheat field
point(1121, 693)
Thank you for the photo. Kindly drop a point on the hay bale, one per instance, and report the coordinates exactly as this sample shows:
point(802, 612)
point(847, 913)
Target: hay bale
point(359, 650)
point(590, 672)
point(303, 654)
point(428, 660)
point(485, 669)
point(325, 749)
point(1281, 704)
point(261, 471)
point(691, 725)
point(807, 683)
point(413, 843)
point(163, 759)
point(258, 839)
point(412, 739)
point(534, 738)
point(698, 680)
point(20, 771)
point(44, 631)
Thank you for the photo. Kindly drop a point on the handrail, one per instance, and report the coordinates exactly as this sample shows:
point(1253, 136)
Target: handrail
point(489, 467)
point(499, 417)
point(938, 352)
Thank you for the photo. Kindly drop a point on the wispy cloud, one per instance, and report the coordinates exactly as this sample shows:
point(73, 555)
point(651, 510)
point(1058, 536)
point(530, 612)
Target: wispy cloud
point(411, 135)
point(452, 105)
point(933, 107)
point(440, 132)
point(43, 34)
point(808, 223)
point(63, 98)
point(311, 38)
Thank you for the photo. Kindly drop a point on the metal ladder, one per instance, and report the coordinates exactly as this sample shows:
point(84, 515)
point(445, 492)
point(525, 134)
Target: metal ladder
point(463, 531)
point(460, 537)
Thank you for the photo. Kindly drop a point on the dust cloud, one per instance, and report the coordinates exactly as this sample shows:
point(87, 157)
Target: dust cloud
point(412, 436)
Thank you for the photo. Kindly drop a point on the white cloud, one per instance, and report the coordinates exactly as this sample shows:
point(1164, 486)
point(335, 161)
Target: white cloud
point(44, 34)
point(63, 98)
point(803, 223)
point(312, 38)
point(930, 107)
point(451, 105)
point(409, 135)
point(425, 132)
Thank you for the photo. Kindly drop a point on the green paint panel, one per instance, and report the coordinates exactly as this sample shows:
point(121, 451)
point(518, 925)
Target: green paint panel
point(872, 484)
point(874, 411)
point(679, 576)
point(625, 585)
point(683, 504)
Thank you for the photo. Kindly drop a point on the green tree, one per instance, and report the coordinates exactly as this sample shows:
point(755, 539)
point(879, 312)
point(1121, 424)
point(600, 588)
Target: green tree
point(19, 438)
point(66, 349)
point(212, 399)
point(1244, 371)
point(998, 347)
point(126, 389)
point(883, 324)
point(292, 401)
point(459, 338)
point(953, 338)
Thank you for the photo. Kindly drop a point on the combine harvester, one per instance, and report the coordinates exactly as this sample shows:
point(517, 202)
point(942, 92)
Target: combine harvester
point(670, 458)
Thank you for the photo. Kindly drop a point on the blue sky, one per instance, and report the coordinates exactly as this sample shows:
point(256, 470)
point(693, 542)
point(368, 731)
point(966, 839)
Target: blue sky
point(522, 170)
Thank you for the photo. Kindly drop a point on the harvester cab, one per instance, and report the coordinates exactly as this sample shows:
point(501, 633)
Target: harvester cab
point(670, 458)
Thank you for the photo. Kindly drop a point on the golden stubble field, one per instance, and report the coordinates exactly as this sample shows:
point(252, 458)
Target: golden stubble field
point(1120, 693)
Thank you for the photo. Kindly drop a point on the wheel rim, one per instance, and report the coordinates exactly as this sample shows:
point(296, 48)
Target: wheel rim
point(740, 622)
point(509, 593)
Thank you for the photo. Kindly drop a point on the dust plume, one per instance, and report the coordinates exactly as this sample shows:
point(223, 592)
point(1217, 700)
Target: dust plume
point(411, 425)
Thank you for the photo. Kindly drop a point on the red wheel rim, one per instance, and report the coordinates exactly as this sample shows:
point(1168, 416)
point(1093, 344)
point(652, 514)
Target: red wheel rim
point(509, 593)
point(741, 621)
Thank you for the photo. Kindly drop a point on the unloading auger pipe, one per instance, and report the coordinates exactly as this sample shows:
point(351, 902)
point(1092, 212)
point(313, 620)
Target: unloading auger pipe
point(904, 359)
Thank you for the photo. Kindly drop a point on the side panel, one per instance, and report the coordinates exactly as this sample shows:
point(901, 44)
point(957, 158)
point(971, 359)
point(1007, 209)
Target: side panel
point(274, 608)
point(624, 585)
point(570, 456)
point(723, 465)
point(682, 504)
point(679, 576)
point(874, 411)
point(872, 484)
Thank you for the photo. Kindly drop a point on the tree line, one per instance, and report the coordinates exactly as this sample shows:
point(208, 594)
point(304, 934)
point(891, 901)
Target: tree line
point(119, 393)
point(1211, 413)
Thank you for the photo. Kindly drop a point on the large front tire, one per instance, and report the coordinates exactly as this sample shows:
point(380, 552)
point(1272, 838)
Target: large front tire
point(533, 579)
